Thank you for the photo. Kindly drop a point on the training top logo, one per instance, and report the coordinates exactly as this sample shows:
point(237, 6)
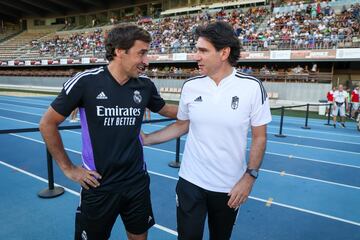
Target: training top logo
point(137, 97)
point(101, 96)
point(198, 99)
point(235, 102)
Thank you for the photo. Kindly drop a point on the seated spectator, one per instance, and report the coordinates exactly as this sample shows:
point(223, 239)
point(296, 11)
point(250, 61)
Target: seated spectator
point(264, 70)
point(298, 70)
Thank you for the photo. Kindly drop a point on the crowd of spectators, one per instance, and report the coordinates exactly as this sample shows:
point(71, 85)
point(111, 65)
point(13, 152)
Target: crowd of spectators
point(73, 45)
point(308, 26)
point(312, 26)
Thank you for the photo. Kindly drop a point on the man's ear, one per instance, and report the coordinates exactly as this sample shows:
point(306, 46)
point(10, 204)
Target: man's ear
point(119, 52)
point(225, 53)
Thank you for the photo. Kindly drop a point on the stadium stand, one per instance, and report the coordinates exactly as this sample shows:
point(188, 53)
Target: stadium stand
point(282, 33)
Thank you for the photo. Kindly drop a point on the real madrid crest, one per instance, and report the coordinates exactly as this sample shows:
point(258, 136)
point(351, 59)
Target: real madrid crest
point(235, 102)
point(137, 97)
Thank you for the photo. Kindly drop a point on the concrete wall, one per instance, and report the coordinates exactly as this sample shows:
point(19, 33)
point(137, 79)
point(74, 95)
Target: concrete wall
point(288, 92)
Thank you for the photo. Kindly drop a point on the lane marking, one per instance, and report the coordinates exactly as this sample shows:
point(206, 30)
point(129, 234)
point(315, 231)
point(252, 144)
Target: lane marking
point(11, 110)
point(165, 229)
point(172, 231)
point(308, 211)
point(269, 202)
point(262, 169)
point(299, 145)
point(311, 179)
point(267, 152)
point(270, 126)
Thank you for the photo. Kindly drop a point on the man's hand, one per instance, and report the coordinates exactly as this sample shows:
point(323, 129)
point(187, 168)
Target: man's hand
point(240, 192)
point(83, 176)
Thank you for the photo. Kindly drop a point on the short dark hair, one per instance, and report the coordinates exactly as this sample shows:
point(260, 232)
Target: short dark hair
point(221, 35)
point(123, 36)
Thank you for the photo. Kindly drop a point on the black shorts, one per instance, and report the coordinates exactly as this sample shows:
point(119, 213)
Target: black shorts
point(194, 203)
point(98, 211)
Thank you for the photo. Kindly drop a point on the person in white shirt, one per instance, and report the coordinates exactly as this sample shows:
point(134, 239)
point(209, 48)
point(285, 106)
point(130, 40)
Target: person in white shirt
point(217, 110)
point(340, 104)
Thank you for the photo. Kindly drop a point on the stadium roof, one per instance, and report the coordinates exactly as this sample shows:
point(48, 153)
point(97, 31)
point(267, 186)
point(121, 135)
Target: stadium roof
point(16, 9)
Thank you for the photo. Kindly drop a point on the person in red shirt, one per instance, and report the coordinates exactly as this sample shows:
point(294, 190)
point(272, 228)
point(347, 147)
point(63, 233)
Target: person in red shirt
point(330, 98)
point(355, 102)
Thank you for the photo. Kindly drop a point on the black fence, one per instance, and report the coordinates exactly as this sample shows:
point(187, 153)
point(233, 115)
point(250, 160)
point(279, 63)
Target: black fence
point(54, 191)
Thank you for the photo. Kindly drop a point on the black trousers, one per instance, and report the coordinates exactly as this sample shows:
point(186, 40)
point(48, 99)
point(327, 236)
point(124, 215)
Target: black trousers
point(194, 203)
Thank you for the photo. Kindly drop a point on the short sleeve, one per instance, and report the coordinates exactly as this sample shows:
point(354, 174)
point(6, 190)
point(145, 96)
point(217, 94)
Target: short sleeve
point(69, 97)
point(260, 114)
point(156, 102)
point(183, 110)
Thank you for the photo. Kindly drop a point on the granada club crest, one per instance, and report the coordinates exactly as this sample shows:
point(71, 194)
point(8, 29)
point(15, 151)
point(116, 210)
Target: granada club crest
point(234, 102)
point(137, 97)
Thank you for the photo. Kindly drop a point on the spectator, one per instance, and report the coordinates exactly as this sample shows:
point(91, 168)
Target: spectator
point(355, 102)
point(340, 105)
point(330, 99)
point(298, 70)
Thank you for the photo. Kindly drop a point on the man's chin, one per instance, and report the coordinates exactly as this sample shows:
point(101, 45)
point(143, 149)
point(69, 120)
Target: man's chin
point(202, 71)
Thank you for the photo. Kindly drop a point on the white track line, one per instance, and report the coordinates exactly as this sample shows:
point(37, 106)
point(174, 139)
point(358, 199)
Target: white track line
point(271, 153)
point(160, 227)
point(264, 200)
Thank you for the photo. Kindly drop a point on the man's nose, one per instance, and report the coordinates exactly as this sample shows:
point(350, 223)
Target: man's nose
point(197, 56)
point(145, 60)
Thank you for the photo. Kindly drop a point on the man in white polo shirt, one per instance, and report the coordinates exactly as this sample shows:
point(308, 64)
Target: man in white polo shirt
point(217, 110)
point(340, 104)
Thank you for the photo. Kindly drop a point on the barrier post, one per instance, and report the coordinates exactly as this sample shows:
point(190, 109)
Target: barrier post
point(329, 113)
point(307, 117)
point(51, 191)
point(281, 123)
point(176, 163)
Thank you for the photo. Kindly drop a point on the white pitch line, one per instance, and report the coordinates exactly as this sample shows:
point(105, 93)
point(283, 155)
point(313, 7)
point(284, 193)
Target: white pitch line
point(311, 179)
point(314, 138)
point(165, 229)
point(269, 126)
point(300, 145)
point(38, 102)
point(171, 152)
point(17, 105)
point(270, 153)
point(290, 135)
point(312, 159)
point(316, 131)
point(307, 211)
point(17, 111)
point(264, 200)
point(319, 148)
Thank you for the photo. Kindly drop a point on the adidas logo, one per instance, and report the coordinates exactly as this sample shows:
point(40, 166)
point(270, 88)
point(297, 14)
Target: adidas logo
point(101, 96)
point(198, 99)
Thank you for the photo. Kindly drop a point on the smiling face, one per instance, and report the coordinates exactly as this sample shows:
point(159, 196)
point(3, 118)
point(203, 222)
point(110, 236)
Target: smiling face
point(134, 60)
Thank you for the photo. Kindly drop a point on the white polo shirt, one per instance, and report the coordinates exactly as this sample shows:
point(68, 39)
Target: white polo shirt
point(340, 96)
point(220, 117)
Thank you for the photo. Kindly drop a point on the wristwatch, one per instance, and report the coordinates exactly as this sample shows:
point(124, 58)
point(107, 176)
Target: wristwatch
point(253, 172)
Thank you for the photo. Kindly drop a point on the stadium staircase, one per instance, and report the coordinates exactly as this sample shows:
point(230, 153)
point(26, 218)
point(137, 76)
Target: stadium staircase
point(18, 46)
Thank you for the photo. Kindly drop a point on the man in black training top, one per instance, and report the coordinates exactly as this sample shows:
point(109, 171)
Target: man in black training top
point(111, 101)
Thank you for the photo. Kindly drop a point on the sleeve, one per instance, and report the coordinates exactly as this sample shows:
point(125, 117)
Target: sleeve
point(335, 96)
point(260, 111)
point(156, 102)
point(183, 110)
point(70, 96)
